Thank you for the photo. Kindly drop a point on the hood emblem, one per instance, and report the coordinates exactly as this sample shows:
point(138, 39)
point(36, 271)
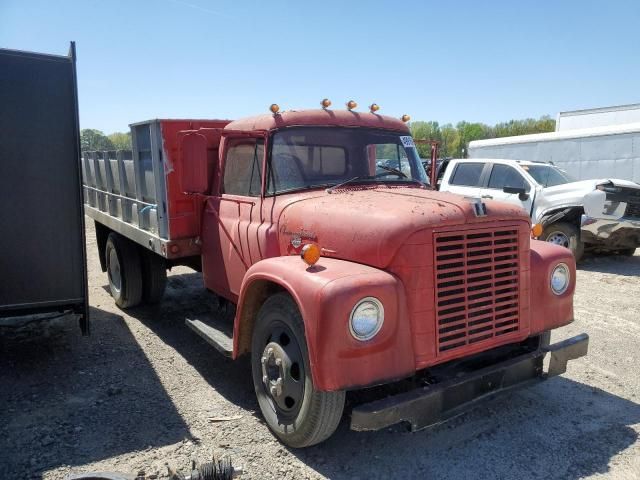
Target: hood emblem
point(479, 208)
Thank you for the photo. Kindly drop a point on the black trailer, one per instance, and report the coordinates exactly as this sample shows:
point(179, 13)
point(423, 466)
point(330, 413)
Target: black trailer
point(43, 264)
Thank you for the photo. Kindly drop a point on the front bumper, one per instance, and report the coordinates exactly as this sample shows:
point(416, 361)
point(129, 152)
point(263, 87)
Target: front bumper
point(434, 404)
point(615, 233)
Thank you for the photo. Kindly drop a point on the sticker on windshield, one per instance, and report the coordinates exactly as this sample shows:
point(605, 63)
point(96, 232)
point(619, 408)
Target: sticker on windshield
point(407, 141)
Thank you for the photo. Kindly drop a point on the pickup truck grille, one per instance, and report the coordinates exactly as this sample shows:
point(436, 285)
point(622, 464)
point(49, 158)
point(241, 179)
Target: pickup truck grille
point(477, 286)
point(633, 209)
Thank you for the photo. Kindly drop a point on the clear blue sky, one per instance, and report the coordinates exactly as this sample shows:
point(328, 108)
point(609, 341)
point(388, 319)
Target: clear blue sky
point(444, 61)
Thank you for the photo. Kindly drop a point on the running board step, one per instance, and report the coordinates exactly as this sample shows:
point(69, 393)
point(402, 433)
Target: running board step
point(215, 332)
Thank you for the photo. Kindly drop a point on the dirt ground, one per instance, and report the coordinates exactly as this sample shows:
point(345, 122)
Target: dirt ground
point(143, 391)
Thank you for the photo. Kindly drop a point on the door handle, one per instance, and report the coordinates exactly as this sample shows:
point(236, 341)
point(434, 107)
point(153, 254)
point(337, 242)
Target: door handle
point(487, 196)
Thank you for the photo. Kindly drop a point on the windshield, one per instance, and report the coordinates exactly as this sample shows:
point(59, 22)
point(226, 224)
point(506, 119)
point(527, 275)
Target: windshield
point(548, 175)
point(309, 157)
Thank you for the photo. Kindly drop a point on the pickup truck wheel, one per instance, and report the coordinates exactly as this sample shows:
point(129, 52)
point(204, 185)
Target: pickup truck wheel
point(566, 235)
point(297, 413)
point(154, 276)
point(124, 271)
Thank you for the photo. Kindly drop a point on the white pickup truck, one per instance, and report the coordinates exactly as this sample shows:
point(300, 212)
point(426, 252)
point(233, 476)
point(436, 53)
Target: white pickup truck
point(597, 214)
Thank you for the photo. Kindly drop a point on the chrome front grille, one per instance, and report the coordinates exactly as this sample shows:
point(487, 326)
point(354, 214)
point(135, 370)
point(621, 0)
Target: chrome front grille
point(477, 286)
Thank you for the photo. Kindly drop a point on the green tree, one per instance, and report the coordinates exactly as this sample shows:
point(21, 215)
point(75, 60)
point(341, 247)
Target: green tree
point(454, 140)
point(120, 141)
point(469, 132)
point(425, 131)
point(91, 139)
point(450, 141)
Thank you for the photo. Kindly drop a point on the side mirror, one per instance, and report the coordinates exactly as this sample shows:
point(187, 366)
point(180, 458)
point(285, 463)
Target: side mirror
point(521, 191)
point(194, 168)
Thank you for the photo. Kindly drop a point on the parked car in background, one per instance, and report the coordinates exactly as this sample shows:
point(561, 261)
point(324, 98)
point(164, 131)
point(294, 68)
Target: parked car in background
point(599, 214)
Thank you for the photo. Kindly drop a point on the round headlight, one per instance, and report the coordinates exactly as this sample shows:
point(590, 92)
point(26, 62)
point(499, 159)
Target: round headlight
point(560, 277)
point(366, 318)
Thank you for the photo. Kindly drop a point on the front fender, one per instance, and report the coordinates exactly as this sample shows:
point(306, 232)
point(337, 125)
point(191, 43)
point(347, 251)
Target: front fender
point(548, 310)
point(326, 294)
point(542, 216)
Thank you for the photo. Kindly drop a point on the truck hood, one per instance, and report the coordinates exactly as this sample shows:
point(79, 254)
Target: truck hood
point(369, 225)
point(572, 194)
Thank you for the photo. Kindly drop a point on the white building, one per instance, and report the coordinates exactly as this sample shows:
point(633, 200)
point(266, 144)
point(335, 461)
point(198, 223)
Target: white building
point(595, 143)
point(598, 117)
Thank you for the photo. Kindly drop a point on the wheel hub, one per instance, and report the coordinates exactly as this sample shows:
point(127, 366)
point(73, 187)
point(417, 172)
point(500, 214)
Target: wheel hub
point(114, 271)
point(274, 363)
point(281, 370)
point(558, 239)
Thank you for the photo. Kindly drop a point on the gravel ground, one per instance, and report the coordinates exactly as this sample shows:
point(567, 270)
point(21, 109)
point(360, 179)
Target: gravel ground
point(143, 391)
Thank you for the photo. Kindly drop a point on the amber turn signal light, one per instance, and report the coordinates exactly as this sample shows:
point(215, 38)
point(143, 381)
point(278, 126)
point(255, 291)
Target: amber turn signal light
point(351, 105)
point(536, 230)
point(274, 108)
point(310, 253)
point(325, 103)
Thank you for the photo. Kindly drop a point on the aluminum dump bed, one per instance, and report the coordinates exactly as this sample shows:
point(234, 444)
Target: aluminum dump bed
point(138, 194)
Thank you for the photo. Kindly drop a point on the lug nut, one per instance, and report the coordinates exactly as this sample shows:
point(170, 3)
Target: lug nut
point(278, 362)
point(265, 379)
point(274, 391)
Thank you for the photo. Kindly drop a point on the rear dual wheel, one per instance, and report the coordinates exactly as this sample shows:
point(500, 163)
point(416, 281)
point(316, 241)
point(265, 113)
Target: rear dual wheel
point(124, 270)
point(297, 413)
point(135, 275)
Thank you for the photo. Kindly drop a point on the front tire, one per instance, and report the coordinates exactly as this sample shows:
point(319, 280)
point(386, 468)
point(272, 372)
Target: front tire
point(297, 413)
point(124, 271)
point(566, 235)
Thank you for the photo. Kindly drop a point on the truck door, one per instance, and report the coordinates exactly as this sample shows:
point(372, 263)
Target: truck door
point(464, 178)
point(232, 217)
point(501, 176)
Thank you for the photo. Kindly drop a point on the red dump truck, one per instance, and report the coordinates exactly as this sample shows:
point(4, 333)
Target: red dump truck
point(347, 270)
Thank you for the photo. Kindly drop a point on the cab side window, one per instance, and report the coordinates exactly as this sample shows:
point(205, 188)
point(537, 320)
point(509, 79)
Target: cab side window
point(506, 176)
point(242, 166)
point(467, 174)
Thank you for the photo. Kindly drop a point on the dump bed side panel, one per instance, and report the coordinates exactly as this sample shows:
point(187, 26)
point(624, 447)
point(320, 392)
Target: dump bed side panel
point(139, 194)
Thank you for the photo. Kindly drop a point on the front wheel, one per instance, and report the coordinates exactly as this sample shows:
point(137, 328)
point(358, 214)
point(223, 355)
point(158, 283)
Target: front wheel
point(297, 413)
point(566, 235)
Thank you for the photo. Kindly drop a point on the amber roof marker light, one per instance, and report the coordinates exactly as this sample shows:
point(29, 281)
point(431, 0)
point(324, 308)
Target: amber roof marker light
point(374, 107)
point(351, 105)
point(405, 118)
point(274, 108)
point(325, 103)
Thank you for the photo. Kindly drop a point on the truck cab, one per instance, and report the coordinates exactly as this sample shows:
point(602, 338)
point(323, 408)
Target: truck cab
point(350, 272)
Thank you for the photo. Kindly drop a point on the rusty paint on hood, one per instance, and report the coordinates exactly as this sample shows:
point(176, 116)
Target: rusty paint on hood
point(369, 225)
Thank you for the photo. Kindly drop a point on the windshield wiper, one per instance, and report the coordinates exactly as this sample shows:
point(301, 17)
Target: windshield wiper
point(338, 185)
point(391, 170)
point(400, 174)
